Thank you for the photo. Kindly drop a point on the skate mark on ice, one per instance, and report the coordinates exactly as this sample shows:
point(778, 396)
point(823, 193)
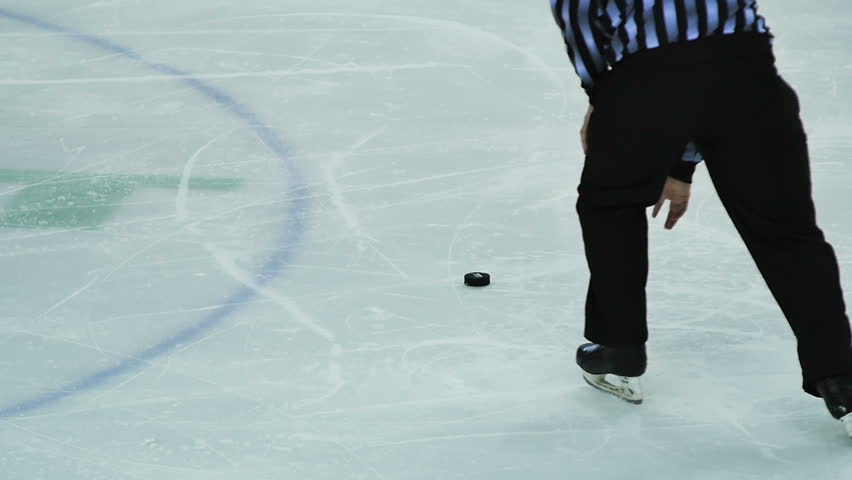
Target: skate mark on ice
point(230, 76)
point(227, 264)
point(181, 212)
point(293, 311)
point(365, 240)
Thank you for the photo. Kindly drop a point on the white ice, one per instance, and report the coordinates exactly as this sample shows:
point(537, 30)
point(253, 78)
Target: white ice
point(422, 140)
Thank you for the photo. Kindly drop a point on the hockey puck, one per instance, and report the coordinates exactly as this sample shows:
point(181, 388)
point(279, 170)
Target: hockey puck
point(477, 279)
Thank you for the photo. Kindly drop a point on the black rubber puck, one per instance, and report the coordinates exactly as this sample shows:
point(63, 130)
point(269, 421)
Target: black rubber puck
point(477, 279)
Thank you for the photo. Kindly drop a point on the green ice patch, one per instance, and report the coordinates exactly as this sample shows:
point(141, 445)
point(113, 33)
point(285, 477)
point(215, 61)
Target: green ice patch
point(57, 200)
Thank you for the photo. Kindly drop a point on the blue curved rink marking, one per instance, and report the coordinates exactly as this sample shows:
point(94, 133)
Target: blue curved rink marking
point(294, 226)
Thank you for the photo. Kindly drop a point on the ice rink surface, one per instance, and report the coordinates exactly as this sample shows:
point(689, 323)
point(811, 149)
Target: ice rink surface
point(233, 234)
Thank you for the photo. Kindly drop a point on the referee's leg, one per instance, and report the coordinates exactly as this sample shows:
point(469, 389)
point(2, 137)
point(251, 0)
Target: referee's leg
point(635, 135)
point(757, 156)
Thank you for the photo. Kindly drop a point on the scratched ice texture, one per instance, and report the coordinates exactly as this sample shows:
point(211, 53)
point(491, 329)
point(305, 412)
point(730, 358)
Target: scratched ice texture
point(233, 235)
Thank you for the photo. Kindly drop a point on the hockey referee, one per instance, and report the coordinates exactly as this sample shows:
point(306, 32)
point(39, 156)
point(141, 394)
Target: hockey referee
point(672, 83)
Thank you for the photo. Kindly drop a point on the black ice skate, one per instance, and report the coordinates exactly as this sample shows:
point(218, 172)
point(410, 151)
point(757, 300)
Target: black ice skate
point(614, 370)
point(837, 393)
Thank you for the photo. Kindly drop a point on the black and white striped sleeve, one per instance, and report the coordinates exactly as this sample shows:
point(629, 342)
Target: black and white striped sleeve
point(584, 41)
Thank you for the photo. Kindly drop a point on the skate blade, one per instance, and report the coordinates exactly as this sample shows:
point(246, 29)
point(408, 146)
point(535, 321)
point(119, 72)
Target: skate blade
point(847, 422)
point(625, 388)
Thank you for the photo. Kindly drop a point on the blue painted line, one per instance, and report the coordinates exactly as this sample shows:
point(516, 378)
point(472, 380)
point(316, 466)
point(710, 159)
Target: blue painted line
point(272, 268)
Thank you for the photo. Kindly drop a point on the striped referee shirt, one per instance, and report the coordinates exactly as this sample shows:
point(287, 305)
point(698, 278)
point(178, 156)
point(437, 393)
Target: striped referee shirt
point(600, 33)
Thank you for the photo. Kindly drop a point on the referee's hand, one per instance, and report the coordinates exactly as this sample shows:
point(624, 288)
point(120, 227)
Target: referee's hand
point(677, 193)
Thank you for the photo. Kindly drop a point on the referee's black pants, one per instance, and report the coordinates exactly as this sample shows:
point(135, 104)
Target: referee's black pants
point(725, 95)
